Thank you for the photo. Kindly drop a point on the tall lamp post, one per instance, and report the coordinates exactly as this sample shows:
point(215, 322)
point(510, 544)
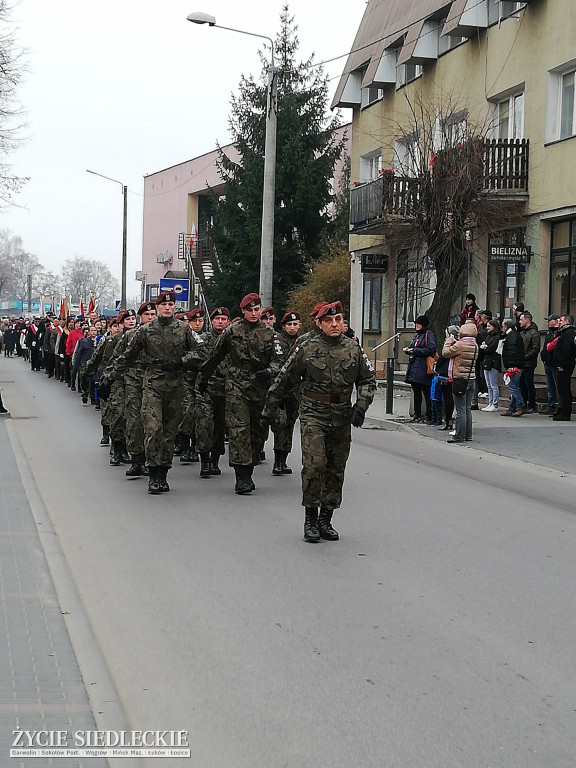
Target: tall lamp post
point(123, 301)
point(269, 186)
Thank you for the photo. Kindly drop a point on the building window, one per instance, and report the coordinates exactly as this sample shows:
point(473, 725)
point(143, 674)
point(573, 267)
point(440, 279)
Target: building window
point(561, 105)
point(407, 73)
point(563, 268)
point(152, 292)
point(415, 285)
point(502, 9)
point(371, 95)
point(567, 105)
point(407, 156)
point(511, 117)
point(370, 166)
point(372, 302)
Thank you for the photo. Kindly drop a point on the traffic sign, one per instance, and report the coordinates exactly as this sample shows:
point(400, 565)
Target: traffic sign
point(180, 286)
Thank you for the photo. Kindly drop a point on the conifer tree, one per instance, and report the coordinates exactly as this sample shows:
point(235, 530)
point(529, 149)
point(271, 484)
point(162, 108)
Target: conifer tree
point(307, 151)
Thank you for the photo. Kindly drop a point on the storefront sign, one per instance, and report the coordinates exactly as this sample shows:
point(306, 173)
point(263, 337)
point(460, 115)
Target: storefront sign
point(374, 263)
point(507, 254)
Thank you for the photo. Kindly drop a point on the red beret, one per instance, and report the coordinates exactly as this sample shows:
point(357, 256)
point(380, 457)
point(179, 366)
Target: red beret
point(146, 307)
point(317, 308)
point(165, 297)
point(269, 312)
point(329, 310)
point(250, 300)
point(220, 312)
point(196, 312)
point(126, 313)
point(289, 316)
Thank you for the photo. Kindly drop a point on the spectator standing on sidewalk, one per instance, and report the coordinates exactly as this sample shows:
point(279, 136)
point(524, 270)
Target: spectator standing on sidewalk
point(492, 364)
point(463, 353)
point(531, 340)
point(564, 360)
point(442, 366)
point(468, 311)
point(481, 389)
point(549, 370)
point(513, 362)
point(423, 345)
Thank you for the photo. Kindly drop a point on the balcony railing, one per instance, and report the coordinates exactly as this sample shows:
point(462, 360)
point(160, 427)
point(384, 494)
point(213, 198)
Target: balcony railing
point(392, 199)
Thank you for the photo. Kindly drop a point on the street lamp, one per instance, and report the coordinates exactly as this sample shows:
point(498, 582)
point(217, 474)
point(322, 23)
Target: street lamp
point(124, 227)
point(269, 186)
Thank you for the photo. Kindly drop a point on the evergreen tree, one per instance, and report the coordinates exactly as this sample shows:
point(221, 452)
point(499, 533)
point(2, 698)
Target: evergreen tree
point(307, 151)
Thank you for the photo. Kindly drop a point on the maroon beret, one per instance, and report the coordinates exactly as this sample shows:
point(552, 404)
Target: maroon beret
point(329, 310)
point(317, 308)
point(196, 312)
point(289, 317)
point(269, 312)
point(147, 306)
point(165, 297)
point(250, 300)
point(220, 312)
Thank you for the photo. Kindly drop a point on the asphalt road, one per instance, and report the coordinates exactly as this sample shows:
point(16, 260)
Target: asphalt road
point(439, 631)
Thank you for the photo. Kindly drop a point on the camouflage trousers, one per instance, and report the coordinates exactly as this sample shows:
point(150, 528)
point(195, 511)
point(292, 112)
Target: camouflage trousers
point(284, 433)
point(115, 411)
point(246, 437)
point(325, 450)
point(188, 424)
point(210, 423)
point(133, 415)
point(161, 415)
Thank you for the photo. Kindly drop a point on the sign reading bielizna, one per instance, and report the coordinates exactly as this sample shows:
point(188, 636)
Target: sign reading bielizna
point(509, 254)
point(88, 744)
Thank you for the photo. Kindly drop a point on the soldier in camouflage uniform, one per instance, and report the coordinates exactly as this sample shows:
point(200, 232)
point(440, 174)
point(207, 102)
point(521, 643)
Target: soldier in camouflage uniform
point(115, 396)
point(97, 365)
point(211, 406)
point(132, 377)
point(168, 347)
point(254, 357)
point(287, 337)
point(328, 367)
point(186, 439)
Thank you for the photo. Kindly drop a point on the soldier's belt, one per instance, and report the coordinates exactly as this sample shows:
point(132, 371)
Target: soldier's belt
point(331, 399)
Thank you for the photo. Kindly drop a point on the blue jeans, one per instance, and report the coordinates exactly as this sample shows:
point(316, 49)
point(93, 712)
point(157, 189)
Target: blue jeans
point(492, 382)
point(463, 405)
point(551, 385)
point(516, 401)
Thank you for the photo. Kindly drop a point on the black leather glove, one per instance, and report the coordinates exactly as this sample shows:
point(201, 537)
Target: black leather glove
point(104, 389)
point(262, 376)
point(171, 366)
point(202, 385)
point(358, 415)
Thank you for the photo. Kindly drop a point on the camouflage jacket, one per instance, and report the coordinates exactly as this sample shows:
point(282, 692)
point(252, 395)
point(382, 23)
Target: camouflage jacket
point(329, 368)
point(250, 347)
point(217, 382)
point(287, 343)
point(154, 344)
point(134, 372)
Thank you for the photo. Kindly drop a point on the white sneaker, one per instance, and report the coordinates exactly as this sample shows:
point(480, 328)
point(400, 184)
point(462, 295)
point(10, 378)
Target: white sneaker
point(489, 408)
point(482, 394)
point(452, 433)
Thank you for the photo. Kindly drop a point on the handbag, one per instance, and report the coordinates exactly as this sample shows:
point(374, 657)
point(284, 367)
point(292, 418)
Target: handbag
point(430, 359)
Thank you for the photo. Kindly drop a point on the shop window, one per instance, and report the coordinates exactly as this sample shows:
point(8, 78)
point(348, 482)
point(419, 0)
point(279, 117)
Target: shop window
point(563, 268)
point(415, 287)
point(372, 302)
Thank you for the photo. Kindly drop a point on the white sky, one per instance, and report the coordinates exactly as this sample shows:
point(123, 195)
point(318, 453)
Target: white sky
point(127, 88)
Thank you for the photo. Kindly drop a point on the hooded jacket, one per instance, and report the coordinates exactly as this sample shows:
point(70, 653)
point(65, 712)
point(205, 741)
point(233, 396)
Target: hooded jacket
point(531, 340)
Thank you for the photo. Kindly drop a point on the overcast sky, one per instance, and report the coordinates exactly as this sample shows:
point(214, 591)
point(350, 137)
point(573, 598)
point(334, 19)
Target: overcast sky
point(127, 88)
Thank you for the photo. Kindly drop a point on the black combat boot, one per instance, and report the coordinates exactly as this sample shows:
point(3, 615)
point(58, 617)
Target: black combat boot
point(164, 487)
point(244, 482)
point(154, 481)
point(214, 468)
point(277, 468)
point(325, 525)
point(205, 466)
point(184, 443)
point(285, 468)
point(105, 435)
point(311, 532)
point(126, 458)
point(137, 468)
point(116, 455)
point(194, 455)
point(179, 447)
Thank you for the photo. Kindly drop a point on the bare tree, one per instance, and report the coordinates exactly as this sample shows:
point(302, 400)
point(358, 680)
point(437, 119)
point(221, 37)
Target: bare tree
point(82, 278)
point(443, 191)
point(11, 69)
point(15, 266)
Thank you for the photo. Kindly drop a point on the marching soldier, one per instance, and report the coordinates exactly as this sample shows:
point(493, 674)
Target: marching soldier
point(211, 406)
point(168, 347)
point(116, 409)
point(254, 357)
point(186, 439)
point(328, 368)
point(96, 365)
point(268, 317)
point(287, 337)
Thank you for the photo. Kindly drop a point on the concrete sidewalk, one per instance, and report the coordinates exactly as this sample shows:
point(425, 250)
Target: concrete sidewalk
point(532, 438)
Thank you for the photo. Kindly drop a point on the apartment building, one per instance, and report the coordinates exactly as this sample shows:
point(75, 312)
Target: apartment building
point(507, 68)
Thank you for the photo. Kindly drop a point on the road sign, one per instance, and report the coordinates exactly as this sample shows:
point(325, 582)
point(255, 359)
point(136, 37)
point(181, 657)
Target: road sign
point(116, 305)
point(180, 286)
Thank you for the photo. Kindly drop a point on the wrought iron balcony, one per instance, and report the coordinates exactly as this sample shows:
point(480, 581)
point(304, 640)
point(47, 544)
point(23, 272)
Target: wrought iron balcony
point(390, 201)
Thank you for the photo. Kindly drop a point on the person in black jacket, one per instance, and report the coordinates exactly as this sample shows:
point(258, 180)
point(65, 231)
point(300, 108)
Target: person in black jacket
point(441, 368)
point(492, 363)
point(564, 360)
point(513, 362)
point(549, 370)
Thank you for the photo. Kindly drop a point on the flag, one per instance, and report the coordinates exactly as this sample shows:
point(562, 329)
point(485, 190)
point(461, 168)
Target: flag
point(91, 304)
point(82, 307)
point(52, 306)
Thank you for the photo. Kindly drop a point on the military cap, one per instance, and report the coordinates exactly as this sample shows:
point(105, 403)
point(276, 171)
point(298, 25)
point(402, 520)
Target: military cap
point(220, 312)
point(268, 313)
point(329, 310)
point(147, 306)
point(317, 308)
point(250, 300)
point(165, 297)
point(289, 317)
point(125, 314)
point(196, 312)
